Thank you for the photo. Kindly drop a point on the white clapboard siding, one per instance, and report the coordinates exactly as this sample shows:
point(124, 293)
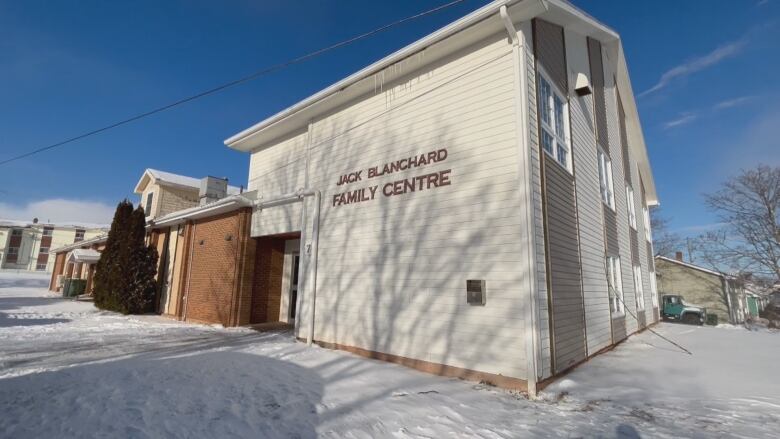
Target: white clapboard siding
point(275, 171)
point(616, 155)
point(392, 271)
point(589, 204)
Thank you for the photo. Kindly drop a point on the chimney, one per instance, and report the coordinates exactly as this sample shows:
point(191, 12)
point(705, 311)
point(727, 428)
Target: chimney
point(212, 189)
point(678, 256)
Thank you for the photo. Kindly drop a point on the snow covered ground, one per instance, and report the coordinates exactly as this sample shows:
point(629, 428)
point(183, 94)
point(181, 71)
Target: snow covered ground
point(69, 370)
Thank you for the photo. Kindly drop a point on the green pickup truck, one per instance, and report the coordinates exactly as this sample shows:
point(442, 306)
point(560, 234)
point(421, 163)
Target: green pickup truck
point(675, 308)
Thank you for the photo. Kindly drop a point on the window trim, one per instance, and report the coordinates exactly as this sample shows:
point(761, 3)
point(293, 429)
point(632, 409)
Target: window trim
point(654, 290)
point(606, 188)
point(614, 274)
point(639, 290)
point(551, 130)
point(646, 218)
point(631, 206)
point(148, 203)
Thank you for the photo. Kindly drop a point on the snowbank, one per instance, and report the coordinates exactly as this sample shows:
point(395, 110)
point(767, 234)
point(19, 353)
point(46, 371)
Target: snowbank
point(69, 370)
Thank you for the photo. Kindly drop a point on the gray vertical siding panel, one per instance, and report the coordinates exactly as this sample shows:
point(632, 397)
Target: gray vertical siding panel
point(616, 154)
point(550, 52)
point(624, 141)
point(634, 246)
point(545, 369)
point(610, 230)
point(568, 309)
point(599, 98)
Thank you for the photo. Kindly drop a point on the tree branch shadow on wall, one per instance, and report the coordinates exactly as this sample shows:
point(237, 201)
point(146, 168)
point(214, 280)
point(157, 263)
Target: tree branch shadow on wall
point(405, 259)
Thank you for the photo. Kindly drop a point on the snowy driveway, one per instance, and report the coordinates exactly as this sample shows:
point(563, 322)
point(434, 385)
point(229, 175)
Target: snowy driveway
point(68, 370)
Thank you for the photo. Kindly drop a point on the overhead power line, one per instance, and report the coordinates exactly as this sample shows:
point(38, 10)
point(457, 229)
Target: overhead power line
point(233, 83)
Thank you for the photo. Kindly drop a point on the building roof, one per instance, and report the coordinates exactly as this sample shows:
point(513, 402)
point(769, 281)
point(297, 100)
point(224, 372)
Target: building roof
point(479, 24)
point(171, 179)
point(96, 240)
point(227, 204)
point(85, 255)
point(696, 267)
point(65, 225)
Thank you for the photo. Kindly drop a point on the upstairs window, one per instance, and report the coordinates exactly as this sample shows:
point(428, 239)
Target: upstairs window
point(48, 231)
point(653, 289)
point(615, 285)
point(646, 217)
point(148, 208)
point(605, 179)
point(631, 207)
point(44, 250)
point(553, 111)
point(40, 267)
point(79, 235)
point(640, 292)
point(16, 232)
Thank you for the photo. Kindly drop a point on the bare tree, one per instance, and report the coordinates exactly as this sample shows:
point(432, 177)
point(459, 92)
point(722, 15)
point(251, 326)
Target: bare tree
point(665, 242)
point(749, 205)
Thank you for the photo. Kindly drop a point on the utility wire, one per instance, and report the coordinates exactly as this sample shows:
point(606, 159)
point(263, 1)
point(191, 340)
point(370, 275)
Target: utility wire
point(235, 82)
point(668, 340)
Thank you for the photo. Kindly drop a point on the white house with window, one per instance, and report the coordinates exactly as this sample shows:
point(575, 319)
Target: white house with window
point(163, 192)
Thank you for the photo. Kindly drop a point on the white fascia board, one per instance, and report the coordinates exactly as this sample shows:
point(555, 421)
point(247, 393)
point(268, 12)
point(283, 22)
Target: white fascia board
point(79, 244)
point(695, 267)
point(224, 205)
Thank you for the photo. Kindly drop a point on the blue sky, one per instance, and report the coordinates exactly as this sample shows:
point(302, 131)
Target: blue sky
point(704, 73)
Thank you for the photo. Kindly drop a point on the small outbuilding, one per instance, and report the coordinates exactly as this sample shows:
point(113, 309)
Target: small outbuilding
point(721, 294)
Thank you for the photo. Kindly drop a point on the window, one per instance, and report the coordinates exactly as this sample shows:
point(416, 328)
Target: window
point(148, 208)
point(44, 250)
point(615, 284)
point(553, 111)
point(48, 231)
point(79, 235)
point(653, 289)
point(40, 267)
point(640, 292)
point(646, 215)
point(16, 232)
point(13, 251)
point(631, 207)
point(605, 179)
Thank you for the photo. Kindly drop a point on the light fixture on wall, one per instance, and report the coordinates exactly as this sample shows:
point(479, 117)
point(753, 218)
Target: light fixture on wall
point(582, 85)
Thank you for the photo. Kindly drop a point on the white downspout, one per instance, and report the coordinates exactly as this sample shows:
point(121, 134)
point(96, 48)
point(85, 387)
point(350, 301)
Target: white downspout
point(526, 196)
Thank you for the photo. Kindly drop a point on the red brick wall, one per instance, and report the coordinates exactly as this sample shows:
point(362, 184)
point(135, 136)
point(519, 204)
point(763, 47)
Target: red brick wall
point(59, 268)
point(218, 272)
point(267, 285)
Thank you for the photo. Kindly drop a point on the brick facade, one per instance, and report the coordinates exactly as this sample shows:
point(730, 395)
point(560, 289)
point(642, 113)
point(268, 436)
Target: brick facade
point(218, 274)
point(267, 285)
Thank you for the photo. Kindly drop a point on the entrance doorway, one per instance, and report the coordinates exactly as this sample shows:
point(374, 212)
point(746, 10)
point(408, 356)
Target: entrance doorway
point(275, 285)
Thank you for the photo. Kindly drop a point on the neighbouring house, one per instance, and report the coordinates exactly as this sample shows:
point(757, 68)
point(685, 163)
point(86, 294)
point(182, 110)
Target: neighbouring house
point(76, 261)
point(474, 205)
point(164, 192)
point(27, 245)
point(721, 294)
